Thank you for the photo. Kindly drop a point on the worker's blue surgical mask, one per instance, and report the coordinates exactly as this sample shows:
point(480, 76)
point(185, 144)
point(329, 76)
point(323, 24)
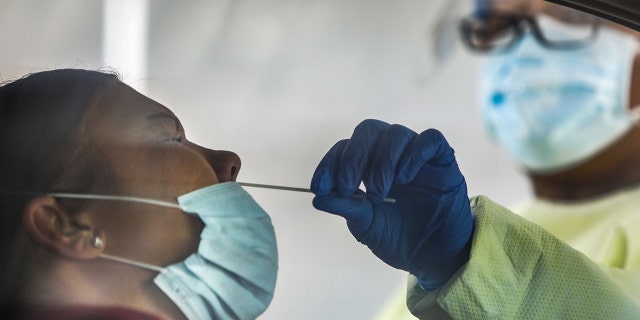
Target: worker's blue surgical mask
point(554, 109)
point(233, 273)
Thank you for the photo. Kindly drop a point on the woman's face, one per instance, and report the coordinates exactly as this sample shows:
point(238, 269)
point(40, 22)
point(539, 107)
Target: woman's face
point(142, 146)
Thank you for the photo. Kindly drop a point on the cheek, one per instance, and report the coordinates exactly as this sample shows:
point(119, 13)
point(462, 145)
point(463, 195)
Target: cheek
point(182, 165)
point(157, 236)
point(181, 237)
point(161, 172)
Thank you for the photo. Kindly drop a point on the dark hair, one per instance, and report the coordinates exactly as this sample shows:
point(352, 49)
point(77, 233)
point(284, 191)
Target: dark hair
point(40, 123)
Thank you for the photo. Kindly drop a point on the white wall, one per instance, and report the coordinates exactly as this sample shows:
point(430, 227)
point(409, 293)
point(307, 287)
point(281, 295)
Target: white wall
point(279, 82)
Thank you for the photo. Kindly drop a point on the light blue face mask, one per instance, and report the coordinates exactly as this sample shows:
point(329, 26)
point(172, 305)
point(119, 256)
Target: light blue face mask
point(554, 109)
point(233, 273)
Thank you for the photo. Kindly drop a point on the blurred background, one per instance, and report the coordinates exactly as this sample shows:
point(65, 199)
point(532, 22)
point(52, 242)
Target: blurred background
point(279, 82)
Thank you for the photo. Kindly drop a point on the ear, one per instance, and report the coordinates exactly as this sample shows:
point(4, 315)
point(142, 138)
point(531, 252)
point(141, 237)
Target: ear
point(54, 228)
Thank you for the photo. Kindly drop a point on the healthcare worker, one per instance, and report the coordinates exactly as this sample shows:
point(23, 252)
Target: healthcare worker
point(558, 94)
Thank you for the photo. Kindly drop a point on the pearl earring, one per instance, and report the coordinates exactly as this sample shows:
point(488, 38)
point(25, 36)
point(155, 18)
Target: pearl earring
point(97, 242)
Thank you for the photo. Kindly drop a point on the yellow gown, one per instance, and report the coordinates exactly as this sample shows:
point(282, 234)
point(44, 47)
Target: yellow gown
point(564, 261)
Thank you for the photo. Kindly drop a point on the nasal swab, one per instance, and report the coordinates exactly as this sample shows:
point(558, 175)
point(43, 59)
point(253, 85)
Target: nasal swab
point(268, 186)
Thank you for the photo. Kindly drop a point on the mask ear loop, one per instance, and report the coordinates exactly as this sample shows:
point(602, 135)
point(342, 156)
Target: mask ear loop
point(132, 263)
point(115, 198)
point(97, 242)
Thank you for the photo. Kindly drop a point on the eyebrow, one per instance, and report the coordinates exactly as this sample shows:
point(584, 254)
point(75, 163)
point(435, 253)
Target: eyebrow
point(162, 115)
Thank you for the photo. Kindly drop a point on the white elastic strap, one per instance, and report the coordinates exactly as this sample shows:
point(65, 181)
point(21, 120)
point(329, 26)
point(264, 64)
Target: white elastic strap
point(114, 198)
point(131, 262)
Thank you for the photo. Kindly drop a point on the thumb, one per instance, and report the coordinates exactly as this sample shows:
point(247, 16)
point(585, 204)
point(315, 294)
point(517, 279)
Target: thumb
point(357, 211)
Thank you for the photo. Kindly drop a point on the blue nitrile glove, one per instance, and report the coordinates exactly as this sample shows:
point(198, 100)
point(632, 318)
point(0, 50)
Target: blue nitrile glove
point(427, 231)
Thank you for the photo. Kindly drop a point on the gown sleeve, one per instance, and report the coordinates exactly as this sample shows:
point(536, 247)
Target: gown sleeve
point(518, 270)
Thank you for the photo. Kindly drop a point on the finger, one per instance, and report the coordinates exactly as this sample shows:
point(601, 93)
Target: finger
point(358, 212)
point(381, 173)
point(429, 147)
point(355, 156)
point(323, 180)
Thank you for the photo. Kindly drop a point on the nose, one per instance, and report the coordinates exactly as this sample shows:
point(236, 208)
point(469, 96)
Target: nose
point(226, 164)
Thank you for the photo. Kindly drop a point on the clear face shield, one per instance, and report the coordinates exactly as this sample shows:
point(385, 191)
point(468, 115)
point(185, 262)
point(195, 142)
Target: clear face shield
point(441, 36)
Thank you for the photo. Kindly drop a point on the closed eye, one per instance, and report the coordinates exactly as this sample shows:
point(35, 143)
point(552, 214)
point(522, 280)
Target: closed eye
point(178, 134)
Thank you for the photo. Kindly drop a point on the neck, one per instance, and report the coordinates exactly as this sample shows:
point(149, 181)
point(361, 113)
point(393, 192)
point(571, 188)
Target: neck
point(61, 284)
point(614, 169)
point(561, 190)
point(99, 283)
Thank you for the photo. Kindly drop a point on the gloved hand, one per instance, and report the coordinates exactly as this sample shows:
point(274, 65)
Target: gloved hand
point(427, 231)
